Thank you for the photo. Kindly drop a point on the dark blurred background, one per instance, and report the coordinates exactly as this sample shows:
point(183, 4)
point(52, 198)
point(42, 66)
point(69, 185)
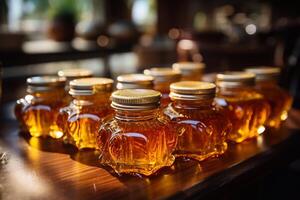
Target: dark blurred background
point(112, 37)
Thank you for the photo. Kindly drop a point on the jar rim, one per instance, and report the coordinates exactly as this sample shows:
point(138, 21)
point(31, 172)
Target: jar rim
point(163, 74)
point(265, 72)
point(75, 73)
point(192, 90)
point(188, 67)
point(44, 83)
point(235, 79)
point(90, 86)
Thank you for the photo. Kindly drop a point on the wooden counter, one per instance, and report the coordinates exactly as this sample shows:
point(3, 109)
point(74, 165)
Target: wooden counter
point(46, 169)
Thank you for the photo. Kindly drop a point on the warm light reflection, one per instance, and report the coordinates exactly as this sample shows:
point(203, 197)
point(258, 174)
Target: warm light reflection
point(35, 142)
point(260, 141)
point(250, 29)
point(284, 115)
point(174, 33)
point(186, 44)
point(103, 40)
point(261, 129)
point(25, 183)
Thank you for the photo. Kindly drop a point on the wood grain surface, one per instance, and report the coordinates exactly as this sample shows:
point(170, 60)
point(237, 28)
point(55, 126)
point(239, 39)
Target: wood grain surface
point(46, 169)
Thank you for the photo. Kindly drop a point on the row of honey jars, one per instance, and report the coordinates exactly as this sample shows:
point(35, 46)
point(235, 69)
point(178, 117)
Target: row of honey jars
point(141, 138)
point(266, 84)
point(37, 112)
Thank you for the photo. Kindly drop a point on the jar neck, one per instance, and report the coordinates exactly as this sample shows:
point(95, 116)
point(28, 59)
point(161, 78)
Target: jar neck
point(163, 87)
point(141, 115)
point(193, 104)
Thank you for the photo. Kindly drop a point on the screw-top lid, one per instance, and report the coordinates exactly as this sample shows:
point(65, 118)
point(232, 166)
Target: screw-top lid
point(44, 83)
point(192, 90)
point(75, 73)
point(235, 79)
point(135, 81)
point(135, 99)
point(265, 73)
point(187, 68)
point(90, 86)
point(163, 74)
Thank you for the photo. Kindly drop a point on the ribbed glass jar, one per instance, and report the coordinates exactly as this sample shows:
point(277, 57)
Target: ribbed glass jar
point(246, 108)
point(38, 110)
point(81, 120)
point(201, 125)
point(137, 139)
point(280, 101)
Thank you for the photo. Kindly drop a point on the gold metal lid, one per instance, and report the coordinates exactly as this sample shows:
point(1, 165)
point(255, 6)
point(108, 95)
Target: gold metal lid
point(135, 99)
point(192, 90)
point(75, 73)
point(235, 79)
point(187, 68)
point(134, 81)
point(44, 83)
point(90, 86)
point(265, 73)
point(163, 74)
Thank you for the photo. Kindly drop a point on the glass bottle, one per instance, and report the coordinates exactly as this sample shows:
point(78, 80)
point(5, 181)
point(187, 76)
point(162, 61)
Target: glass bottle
point(190, 71)
point(137, 139)
point(81, 120)
point(202, 126)
point(246, 108)
point(163, 77)
point(134, 81)
point(38, 110)
point(280, 101)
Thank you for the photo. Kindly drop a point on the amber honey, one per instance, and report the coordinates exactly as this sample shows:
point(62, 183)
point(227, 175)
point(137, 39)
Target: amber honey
point(279, 100)
point(201, 125)
point(38, 111)
point(137, 139)
point(81, 120)
point(190, 71)
point(163, 77)
point(134, 81)
point(246, 108)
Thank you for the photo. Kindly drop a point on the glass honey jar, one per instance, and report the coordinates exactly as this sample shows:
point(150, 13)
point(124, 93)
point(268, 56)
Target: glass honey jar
point(38, 110)
point(134, 81)
point(190, 71)
point(81, 120)
point(280, 101)
point(137, 139)
point(246, 108)
point(201, 125)
point(163, 77)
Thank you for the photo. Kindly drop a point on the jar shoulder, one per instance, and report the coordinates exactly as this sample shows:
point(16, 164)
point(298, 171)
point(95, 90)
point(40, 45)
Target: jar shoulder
point(114, 125)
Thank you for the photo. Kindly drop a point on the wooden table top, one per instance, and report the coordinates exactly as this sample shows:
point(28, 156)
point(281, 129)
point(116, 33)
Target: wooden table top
point(46, 169)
